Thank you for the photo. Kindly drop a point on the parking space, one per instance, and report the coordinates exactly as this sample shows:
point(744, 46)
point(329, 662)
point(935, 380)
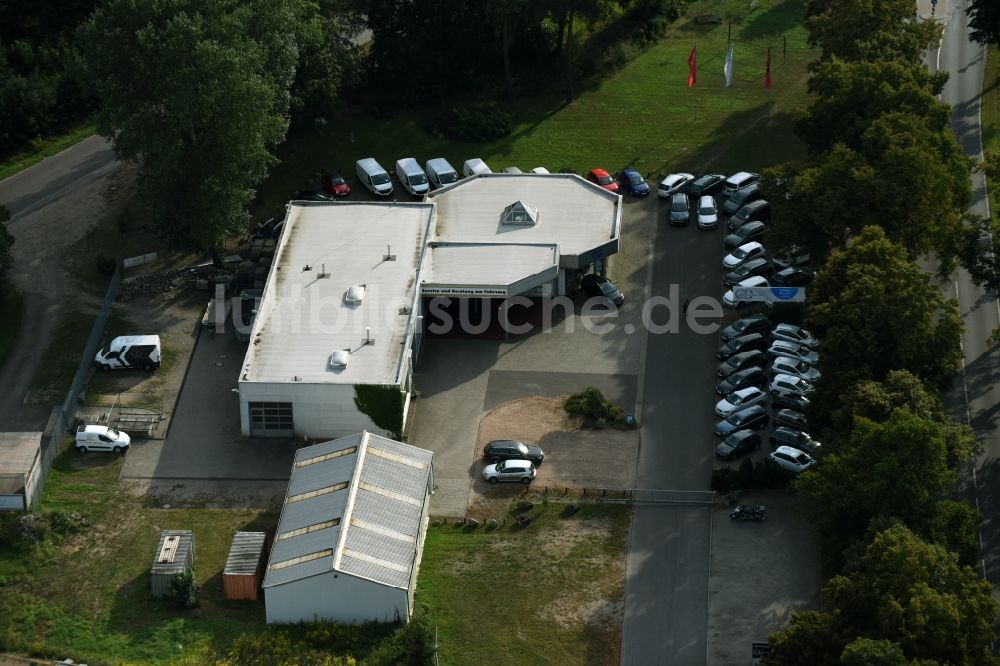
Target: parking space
point(761, 572)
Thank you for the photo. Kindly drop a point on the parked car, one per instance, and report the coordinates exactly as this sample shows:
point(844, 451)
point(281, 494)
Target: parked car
point(796, 439)
point(440, 172)
point(675, 182)
point(790, 419)
point(794, 333)
point(739, 443)
point(511, 449)
point(572, 172)
point(632, 182)
point(740, 399)
point(793, 276)
point(791, 383)
point(741, 344)
point(792, 256)
point(790, 366)
point(755, 323)
point(751, 418)
point(708, 214)
point(601, 287)
point(101, 438)
point(512, 169)
point(710, 183)
point(680, 209)
point(740, 199)
point(793, 350)
point(130, 351)
point(751, 231)
point(413, 178)
point(739, 182)
point(747, 359)
point(510, 471)
point(755, 211)
point(758, 266)
point(742, 379)
point(373, 176)
point(311, 195)
point(792, 459)
point(603, 178)
point(541, 170)
point(789, 400)
point(745, 252)
point(474, 167)
point(335, 185)
point(729, 298)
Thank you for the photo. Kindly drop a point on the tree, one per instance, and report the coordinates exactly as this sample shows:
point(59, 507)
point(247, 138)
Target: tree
point(984, 21)
point(868, 30)
point(873, 652)
point(811, 637)
point(849, 96)
point(895, 468)
point(204, 98)
point(916, 328)
point(914, 593)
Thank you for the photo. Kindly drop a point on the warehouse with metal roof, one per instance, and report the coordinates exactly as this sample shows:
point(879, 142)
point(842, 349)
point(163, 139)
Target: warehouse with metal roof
point(351, 532)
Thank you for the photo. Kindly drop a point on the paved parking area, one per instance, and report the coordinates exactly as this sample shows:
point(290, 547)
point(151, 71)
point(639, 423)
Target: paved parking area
point(760, 573)
point(204, 440)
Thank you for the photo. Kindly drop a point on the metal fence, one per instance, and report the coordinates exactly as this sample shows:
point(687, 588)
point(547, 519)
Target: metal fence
point(66, 415)
point(625, 495)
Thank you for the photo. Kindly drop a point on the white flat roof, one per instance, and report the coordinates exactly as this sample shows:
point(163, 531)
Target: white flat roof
point(476, 264)
point(303, 318)
point(573, 213)
point(18, 451)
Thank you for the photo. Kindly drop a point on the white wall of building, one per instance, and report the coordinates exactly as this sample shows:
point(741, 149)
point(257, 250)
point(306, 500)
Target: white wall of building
point(335, 596)
point(319, 411)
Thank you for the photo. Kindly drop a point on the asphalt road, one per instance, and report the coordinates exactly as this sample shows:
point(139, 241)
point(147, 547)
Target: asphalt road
point(975, 395)
point(666, 604)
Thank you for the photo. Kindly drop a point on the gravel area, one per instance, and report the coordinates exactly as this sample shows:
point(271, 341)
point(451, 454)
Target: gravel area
point(574, 457)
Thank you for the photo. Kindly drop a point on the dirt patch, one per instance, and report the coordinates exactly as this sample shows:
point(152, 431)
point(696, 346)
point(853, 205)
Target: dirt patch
point(575, 458)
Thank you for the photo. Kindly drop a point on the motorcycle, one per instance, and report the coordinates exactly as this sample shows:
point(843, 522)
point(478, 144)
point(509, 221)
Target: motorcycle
point(743, 513)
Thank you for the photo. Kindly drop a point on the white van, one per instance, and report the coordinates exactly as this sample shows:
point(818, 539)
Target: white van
point(738, 181)
point(440, 172)
point(474, 167)
point(130, 351)
point(101, 438)
point(412, 177)
point(541, 170)
point(374, 177)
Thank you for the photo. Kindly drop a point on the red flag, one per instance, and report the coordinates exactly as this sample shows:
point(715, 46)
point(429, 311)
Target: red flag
point(767, 72)
point(692, 65)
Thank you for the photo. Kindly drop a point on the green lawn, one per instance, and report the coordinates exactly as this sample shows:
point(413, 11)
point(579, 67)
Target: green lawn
point(46, 147)
point(11, 312)
point(644, 115)
point(537, 595)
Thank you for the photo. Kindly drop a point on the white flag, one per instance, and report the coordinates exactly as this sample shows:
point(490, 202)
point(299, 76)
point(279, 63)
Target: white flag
point(728, 67)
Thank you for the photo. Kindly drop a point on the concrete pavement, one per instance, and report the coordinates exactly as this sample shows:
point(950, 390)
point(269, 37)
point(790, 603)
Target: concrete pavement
point(975, 395)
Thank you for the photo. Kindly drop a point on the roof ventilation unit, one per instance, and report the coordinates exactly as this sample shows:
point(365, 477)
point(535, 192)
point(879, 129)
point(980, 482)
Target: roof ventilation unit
point(340, 358)
point(355, 295)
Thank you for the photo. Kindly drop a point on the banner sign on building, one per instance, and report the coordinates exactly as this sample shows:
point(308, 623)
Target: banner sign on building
point(490, 292)
point(770, 294)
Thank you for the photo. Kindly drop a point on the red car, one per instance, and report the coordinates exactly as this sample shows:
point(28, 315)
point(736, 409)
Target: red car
point(336, 185)
point(602, 178)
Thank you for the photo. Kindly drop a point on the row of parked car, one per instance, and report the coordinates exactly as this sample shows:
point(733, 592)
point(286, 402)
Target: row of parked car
point(761, 362)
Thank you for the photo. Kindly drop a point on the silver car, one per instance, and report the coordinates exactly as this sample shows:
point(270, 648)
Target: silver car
point(708, 214)
point(793, 350)
point(511, 471)
point(796, 334)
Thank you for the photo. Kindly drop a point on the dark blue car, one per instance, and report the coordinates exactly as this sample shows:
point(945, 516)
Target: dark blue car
point(632, 181)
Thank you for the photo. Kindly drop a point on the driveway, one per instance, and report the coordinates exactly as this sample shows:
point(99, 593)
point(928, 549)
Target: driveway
point(460, 379)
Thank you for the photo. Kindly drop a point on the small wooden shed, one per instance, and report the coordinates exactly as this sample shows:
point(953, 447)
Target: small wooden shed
point(174, 555)
point(244, 570)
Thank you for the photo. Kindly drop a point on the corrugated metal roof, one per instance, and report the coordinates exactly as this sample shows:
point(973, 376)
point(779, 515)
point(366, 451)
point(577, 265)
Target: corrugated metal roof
point(373, 538)
point(244, 554)
point(303, 317)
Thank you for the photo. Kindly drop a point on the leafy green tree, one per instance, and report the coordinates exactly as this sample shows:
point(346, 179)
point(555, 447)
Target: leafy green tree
point(916, 328)
point(955, 525)
point(869, 30)
point(203, 99)
point(811, 637)
point(849, 96)
point(328, 59)
point(984, 21)
point(894, 468)
point(914, 593)
point(873, 652)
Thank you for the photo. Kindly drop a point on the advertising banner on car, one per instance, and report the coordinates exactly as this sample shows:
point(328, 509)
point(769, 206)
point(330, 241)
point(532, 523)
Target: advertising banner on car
point(770, 294)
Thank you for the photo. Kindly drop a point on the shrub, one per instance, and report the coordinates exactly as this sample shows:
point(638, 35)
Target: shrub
point(768, 474)
point(725, 479)
point(477, 125)
point(184, 590)
point(106, 265)
point(746, 473)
